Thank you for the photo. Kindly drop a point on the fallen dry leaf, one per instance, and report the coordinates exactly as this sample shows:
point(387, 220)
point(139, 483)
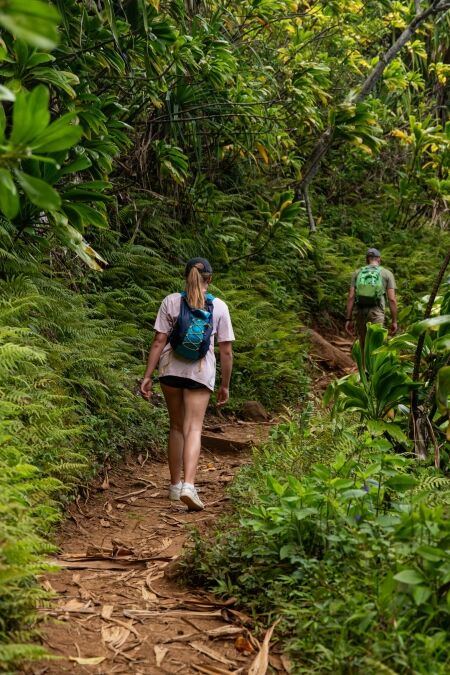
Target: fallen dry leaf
point(115, 636)
point(130, 494)
point(160, 653)
point(242, 644)
point(213, 670)
point(234, 615)
point(166, 542)
point(105, 523)
point(85, 594)
point(148, 613)
point(105, 484)
point(275, 662)
point(261, 662)
point(148, 596)
point(46, 585)
point(107, 611)
point(287, 664)
point(204, 649)
point(100, 562)
point(87, 660)
point(74, 606)
point(223, 631)
point(120, 549)
point(92, 551)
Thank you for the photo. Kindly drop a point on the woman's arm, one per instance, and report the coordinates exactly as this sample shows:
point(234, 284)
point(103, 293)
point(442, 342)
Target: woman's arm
point(158, 344)
point(226, 366)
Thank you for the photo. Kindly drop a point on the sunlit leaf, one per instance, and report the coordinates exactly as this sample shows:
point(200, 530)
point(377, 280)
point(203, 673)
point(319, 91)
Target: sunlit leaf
point(34, 21)
point(410, 577)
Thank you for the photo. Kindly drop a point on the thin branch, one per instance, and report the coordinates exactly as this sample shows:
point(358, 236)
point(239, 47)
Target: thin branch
point(437, 456)
point(325, 141)
point(311, 221)
point(436, 7)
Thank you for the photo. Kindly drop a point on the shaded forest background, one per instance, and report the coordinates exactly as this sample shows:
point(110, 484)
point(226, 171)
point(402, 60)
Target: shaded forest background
point(137, 134)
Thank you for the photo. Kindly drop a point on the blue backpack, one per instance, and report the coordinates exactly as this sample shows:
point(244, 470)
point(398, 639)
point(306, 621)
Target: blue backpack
point(191, 335)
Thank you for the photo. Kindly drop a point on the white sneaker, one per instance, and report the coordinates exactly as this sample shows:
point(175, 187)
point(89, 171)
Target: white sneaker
point(174, 492)
point(190, 497)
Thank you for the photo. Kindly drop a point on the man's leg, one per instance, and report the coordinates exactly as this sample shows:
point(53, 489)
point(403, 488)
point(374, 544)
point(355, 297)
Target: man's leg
point(376, 315)
point(361, 330)
point(371, 315)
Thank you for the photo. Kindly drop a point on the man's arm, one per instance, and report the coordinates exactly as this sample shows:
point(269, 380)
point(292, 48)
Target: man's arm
point(393, 305)
point(348, 313)
point(226, 366)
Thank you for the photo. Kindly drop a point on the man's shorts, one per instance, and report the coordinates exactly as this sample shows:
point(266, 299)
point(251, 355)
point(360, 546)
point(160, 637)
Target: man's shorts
point(363, 315)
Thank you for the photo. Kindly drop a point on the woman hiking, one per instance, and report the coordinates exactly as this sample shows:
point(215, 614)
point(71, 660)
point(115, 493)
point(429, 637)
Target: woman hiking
point(183, 350)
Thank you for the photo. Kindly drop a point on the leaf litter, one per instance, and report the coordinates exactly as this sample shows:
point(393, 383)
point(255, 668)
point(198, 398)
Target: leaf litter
point(126, 586)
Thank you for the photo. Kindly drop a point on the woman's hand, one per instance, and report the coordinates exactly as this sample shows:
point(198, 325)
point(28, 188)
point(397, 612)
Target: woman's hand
point(223, 395)
point(146, 387)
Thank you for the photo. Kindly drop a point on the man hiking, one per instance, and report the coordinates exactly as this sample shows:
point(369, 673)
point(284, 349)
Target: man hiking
point(369, 287)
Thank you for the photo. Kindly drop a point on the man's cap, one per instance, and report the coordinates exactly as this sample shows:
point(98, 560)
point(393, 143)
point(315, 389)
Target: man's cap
point(373, 253)
point(206, 269)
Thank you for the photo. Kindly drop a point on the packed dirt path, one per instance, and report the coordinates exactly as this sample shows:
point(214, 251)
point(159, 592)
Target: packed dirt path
point(119, 605)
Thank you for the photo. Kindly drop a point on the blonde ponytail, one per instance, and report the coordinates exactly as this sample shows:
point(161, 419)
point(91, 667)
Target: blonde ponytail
point(195, 286)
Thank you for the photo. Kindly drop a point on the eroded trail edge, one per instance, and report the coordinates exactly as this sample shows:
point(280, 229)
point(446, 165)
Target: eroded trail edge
point(120, 607)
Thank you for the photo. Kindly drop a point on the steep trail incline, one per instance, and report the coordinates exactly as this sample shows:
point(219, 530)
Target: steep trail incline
point(119, 607)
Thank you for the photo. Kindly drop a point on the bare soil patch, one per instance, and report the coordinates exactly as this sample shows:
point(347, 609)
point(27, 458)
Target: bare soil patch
point(119, 606)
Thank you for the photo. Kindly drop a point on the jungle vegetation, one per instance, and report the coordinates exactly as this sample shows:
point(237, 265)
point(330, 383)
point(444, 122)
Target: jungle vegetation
point(279, 139)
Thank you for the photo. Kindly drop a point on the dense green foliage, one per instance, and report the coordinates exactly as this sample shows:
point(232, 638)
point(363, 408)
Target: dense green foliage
point(345, 541)
point(137, 133)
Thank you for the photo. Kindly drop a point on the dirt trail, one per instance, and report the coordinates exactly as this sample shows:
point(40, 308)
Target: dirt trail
point(119, 607)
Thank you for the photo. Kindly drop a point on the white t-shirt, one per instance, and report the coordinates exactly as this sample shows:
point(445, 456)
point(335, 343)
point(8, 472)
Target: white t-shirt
point(204, 370)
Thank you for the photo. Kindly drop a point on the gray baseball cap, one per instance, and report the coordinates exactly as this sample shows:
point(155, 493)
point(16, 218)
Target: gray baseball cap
point(373, 253)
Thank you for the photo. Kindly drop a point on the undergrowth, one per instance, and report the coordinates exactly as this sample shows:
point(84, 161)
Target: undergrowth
point(347, 542)
point(72, 348)
point(67, 402)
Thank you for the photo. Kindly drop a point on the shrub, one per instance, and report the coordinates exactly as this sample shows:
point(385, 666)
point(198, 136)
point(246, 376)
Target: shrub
point(351, 554)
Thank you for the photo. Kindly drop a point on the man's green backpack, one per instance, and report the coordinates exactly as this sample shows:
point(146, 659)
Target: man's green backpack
point(369, 286)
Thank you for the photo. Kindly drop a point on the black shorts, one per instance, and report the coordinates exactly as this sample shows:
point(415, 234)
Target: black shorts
point(181, 382)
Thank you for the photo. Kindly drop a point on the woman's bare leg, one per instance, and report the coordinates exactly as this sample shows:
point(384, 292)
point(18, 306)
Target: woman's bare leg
point(175, 407)
point(195, 404)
